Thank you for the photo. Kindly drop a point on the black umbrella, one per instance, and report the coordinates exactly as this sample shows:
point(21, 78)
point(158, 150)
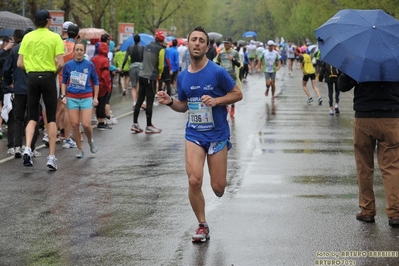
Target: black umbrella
point(15, 21)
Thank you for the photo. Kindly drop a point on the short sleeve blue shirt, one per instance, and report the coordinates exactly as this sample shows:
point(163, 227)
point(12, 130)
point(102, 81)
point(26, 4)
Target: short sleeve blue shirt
point(204, 123)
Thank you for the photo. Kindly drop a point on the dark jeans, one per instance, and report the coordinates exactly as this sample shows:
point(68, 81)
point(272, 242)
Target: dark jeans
point(330, 86)
point(147, 89)
point(245, 71)
point(20, 106)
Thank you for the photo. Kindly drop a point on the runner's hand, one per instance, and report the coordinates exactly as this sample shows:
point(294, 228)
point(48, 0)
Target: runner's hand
point(209, 101)
point(163, 97)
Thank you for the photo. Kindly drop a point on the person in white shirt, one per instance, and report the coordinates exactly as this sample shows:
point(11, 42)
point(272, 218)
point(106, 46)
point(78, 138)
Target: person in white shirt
point(270, 62)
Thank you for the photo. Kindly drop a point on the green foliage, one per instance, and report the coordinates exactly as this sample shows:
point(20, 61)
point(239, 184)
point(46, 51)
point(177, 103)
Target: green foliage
point(269, 18)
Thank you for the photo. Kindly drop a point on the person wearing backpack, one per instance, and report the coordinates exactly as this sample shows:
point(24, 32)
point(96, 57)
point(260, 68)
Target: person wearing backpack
point(309, 73)
point(330, 75)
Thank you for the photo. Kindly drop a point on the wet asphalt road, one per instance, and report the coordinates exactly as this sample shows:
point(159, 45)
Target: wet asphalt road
point(291, 197)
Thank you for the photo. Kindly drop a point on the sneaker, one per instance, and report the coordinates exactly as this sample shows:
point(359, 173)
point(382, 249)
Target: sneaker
point(320, 101)
point(201, 234)
point(27, 160)
point(93, 147)
point(111, 121)
point(35, 154)
point(45, 140)
point(18, 152)
point(1, 133)
point(124, 93)
point(51, 162)
point(136, 128)
point(152, 130)
point(69, 143)
point(331, 112)
point(103, 127)
point(232, 111)
point(79, 154)
point(11, 151)
point(310, 99)
point(337, 109)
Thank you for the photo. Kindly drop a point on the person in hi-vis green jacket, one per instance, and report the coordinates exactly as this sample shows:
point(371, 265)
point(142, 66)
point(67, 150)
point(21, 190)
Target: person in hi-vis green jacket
point(124, 78)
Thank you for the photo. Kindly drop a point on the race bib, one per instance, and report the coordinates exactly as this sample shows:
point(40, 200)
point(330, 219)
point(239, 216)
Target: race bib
point(78, 80)
point(226, 64)
point(200, 116)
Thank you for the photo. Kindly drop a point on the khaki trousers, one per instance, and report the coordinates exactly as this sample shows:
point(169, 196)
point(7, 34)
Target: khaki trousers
point(383, 132)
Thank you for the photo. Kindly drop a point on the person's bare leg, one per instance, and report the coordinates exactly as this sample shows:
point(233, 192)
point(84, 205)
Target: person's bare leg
point(217, 164)
point(305, 88)
point(195, 159)
point(86, 124)
point(52, 134)
point(74, 119)
point(315, 88)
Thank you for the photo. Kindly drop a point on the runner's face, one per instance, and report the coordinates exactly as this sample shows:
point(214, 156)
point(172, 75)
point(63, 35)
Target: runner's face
point(227, 45)
point(79, 51)
point(197, 44)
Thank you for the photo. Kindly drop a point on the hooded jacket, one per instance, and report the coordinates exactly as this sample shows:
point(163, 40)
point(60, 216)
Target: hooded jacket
point(102, 65)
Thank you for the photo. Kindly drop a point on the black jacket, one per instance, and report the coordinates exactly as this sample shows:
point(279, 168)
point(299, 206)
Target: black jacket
point(13, 74)
point(325, 73)
point(211, 54)
point(372, 99)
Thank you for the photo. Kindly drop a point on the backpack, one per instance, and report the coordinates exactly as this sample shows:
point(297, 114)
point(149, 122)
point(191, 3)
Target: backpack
point(333, 75)
point(307, 65)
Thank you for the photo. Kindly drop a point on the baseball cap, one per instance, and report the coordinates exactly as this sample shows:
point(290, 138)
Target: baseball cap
point(228, 40)
point(42, 15)
point(66, 25)
point(270, 42)
point(159, 36)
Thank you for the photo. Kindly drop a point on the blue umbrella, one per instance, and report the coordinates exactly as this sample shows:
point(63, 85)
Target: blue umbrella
point(144, 40)
point(364, 44)
point(6, 32)
point(249, 34)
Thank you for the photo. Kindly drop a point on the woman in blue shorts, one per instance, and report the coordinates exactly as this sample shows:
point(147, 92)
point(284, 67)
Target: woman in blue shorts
point(78, 79)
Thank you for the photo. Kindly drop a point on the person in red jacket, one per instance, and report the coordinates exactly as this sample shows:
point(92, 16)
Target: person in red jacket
point(101, 63)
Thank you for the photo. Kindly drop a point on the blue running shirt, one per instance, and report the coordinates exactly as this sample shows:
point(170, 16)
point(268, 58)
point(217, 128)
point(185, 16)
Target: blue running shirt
point(204, 123)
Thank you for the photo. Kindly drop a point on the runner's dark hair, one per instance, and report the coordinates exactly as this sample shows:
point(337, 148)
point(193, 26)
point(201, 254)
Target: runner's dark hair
point(201, 29)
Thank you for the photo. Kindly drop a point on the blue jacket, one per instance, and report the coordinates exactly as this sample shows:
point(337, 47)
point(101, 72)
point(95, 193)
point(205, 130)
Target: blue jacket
point(174, 58)
point(13, 74)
